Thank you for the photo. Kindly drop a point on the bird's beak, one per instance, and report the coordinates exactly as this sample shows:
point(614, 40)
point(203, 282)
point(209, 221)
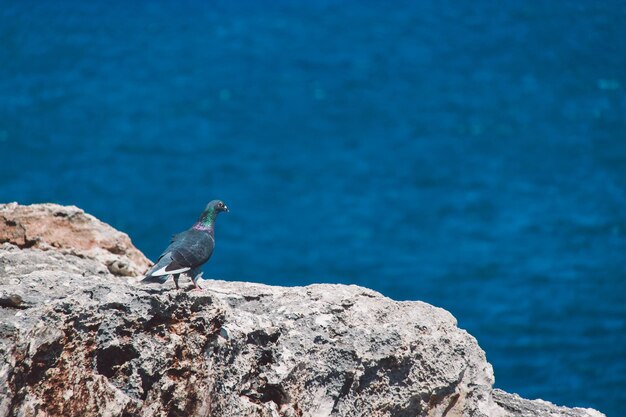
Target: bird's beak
point(226, 208)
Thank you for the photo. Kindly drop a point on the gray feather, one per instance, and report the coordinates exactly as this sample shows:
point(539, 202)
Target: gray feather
point(188, 250)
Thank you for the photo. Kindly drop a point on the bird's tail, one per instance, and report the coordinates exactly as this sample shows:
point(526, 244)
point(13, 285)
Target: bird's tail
point(154, 279)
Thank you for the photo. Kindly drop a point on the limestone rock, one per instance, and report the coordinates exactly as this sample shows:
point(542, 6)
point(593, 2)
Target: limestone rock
point(517, 406)
point(70, 230)
point(76, 340)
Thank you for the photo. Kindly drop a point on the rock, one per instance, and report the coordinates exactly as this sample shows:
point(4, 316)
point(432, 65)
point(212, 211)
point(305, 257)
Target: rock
point(70, 230)
point(76, 340)
point(515, 405)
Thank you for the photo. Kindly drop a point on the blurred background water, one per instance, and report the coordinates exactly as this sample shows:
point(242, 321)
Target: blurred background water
point(469, 154)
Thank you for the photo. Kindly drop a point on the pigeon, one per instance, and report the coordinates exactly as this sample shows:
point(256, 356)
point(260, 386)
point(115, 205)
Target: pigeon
point(188, 250)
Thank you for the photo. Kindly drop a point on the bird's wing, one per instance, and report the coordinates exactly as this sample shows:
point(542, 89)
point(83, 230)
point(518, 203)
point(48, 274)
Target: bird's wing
point(154, 274)
point(188, 250)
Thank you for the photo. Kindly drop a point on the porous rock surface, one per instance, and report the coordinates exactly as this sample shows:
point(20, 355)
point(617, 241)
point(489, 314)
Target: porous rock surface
point(76, 339)
point(70, 230)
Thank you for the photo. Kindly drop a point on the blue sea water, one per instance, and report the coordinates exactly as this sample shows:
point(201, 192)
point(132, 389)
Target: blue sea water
point(469, 154)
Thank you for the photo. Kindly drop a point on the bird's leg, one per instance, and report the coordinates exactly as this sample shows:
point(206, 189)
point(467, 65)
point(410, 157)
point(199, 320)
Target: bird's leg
point(176, 276)
point(195, 276)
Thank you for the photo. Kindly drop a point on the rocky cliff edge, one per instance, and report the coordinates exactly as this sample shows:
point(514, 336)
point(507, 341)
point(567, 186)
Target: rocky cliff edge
point(79, 336)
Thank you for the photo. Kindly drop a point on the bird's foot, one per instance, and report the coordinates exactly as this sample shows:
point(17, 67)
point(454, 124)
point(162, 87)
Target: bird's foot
point(194, 281)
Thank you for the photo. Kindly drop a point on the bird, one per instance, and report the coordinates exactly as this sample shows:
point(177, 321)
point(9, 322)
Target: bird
point(188, 250)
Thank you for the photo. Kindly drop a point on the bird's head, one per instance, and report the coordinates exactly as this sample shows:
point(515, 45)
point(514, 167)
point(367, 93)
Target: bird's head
point(212, 210)
point(217, 206)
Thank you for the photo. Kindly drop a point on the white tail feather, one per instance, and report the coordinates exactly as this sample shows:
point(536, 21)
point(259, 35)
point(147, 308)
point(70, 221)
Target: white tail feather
point(162, 271)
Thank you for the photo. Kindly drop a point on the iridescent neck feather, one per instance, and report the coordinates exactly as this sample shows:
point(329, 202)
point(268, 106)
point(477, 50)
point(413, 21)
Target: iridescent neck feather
point(206, 222)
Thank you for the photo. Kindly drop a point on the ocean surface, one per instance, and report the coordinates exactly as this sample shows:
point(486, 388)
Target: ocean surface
point(469, 154)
